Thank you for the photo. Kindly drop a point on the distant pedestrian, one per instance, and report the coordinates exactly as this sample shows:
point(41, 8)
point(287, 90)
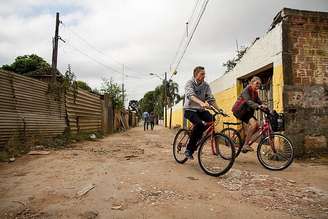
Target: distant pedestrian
point(145, 117)
point(152, 120)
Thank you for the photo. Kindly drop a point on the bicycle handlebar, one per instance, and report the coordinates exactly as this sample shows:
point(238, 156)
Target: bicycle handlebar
point(266, 111)
point(218, 111)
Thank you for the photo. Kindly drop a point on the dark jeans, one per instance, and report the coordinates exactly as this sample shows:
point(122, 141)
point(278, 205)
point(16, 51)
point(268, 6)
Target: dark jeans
point(152, 125)
point(196, 118)
point(146, 123)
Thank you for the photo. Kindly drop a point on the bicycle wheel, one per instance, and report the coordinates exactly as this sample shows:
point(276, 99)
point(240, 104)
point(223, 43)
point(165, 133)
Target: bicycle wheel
point(275, 152)
point(216, 155)
point(235, 137)
point(180, 142)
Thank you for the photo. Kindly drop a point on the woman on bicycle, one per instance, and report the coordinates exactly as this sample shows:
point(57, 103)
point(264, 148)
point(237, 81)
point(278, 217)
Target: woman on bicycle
point(244, 109)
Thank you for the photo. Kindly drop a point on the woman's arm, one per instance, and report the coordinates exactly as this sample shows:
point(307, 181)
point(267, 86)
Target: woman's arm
point(246, 95)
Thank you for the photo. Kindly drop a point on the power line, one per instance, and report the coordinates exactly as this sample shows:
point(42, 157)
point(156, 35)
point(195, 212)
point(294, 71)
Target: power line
point(99, 62)
point(192, 34)
point(99, 51)
point(185, 34)
point(89, 44)
point(193, 12)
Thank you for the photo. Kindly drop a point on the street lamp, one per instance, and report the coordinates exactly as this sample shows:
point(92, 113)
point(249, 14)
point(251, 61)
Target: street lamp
point(156, 75)
point(165, 98)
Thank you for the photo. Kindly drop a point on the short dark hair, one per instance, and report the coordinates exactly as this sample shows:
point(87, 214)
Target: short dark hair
point(198, 69)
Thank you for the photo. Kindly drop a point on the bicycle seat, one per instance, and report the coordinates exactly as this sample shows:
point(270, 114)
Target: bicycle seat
point(232, 123)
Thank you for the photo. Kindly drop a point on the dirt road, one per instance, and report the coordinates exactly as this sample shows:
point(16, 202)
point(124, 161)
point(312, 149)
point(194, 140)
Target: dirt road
point(133, 175)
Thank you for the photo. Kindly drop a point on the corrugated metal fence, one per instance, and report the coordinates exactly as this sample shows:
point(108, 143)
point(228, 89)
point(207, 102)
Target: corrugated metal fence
point(84, 111)
point(27, 110)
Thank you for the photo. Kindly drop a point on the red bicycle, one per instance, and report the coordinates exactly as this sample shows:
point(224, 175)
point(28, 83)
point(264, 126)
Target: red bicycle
point(216, 152)
point(274, 151)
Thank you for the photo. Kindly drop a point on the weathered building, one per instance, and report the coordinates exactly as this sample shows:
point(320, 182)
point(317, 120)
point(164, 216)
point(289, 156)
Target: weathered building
point(292, 60)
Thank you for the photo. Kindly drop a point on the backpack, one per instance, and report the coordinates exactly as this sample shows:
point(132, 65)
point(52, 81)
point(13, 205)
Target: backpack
point(240, 108)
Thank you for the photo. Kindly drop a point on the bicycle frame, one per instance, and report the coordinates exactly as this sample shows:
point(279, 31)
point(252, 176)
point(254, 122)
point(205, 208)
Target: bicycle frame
point(210, 130)
point(264, 130)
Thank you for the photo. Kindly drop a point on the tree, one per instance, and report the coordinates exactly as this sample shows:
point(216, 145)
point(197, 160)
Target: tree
point(155, 100)
point(83, 85)
point(148, 102)
point(27, 63)
point(159, 102)
point(70, 82)
point(114, 91)
point(172, 93)
point(230, 64)
point(69, 78)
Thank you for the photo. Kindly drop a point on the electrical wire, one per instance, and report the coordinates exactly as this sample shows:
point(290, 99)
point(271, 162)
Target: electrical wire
point(99, 62)
point(99, 51)
point(191, 36)
point(185, 34)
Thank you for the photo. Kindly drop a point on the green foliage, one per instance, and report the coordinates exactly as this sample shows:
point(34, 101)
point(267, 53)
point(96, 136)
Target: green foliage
point(173, 96)
point(70, 82)
point(148, 102)
point(69, 78)
point(155, 100)
point(230, 64)
point(27, 63)
point(83, 85)
point(115, 92)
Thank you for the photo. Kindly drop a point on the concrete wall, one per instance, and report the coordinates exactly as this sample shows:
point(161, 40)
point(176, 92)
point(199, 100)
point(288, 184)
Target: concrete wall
point(266, 51)
point(177, 115)
point(296, 48)
point(305, 39)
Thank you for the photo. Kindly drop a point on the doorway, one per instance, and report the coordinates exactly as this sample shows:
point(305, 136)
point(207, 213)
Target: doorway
point(265, 92)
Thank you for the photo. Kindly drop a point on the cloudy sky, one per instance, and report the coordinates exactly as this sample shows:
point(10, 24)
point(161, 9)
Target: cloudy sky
point(144, 35)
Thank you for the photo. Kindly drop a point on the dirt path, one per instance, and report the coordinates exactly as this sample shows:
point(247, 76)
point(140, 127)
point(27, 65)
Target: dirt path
point(135, 176)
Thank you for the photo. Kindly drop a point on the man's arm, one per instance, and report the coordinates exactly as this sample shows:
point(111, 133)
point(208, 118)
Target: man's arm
point(213, 103)
point(210, 99)
point(201, 103)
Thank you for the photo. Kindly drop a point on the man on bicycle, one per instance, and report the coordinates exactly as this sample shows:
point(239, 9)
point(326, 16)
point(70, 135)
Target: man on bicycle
point(198, 97)
point(244, 109)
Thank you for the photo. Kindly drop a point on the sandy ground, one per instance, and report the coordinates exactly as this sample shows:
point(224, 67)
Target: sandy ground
point(134, 175)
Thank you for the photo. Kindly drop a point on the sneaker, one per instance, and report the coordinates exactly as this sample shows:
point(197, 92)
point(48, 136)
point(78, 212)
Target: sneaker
point(189, 155)
point(246, 148)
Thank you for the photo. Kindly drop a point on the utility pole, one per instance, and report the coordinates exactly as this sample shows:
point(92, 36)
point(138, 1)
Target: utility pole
point(55, 47)
point(237, 46)
point(165, 100)
point(123, 86)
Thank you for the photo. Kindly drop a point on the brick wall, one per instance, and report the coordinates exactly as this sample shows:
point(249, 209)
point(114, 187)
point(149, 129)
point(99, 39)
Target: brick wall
point(305, 63)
